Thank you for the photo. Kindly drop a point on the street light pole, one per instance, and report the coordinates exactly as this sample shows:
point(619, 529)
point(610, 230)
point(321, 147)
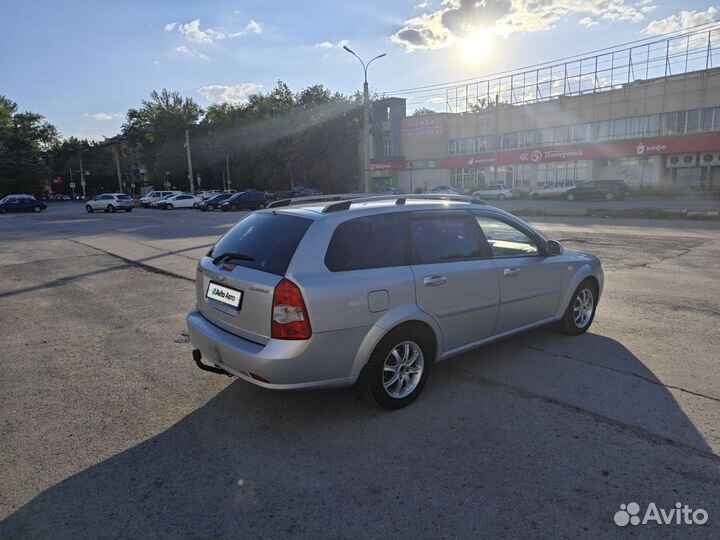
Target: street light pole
point(189, 160)
point(365, 185)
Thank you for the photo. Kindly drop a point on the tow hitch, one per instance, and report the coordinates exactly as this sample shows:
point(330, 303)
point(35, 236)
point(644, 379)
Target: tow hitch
point(197, 356)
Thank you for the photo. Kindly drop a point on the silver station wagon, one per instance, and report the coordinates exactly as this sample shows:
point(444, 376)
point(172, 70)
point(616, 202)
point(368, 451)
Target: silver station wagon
point(372, 291)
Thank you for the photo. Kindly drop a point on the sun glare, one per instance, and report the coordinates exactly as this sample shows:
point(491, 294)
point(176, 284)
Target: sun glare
point(476, 47)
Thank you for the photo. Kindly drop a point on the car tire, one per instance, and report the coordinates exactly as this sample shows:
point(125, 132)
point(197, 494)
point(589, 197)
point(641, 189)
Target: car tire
point(580, 312)
point(609, 197)
point(169, 206)
point(501, 197)
point(210, 208)
point(233, 207)
point(110, 208)
point(535, 196)
point(88, 209)
point(37, 209)
point(261, 206)
point(413, 350)
point(128, 209)
point(570, 197)
point(3, 210)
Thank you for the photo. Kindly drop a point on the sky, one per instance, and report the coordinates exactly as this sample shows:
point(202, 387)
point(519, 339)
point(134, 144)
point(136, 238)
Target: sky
point(83, 64)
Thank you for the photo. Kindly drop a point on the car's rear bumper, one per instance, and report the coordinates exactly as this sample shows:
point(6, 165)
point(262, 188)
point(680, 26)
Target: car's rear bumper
point(323, 361)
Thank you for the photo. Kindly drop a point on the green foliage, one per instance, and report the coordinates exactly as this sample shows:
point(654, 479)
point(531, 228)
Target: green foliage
point(25, 138)
point(422, 111)
point(272, 140)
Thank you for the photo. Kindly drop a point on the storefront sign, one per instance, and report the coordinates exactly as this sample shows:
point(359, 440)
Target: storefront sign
point(635, 148)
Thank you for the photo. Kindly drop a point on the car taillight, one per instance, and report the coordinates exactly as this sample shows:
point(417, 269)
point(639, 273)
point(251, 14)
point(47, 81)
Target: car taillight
point(289, 316)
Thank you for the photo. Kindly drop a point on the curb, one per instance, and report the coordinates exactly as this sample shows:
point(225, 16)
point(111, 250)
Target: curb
point(638, 213)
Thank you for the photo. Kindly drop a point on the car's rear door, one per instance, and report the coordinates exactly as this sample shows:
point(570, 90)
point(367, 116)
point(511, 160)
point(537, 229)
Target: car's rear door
point(455, 280)
point(530, 281)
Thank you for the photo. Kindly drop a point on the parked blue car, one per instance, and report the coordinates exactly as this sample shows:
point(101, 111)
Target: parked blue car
point(21, 203)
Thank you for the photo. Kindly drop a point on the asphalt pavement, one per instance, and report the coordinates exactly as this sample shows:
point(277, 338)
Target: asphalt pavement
point(108, 430)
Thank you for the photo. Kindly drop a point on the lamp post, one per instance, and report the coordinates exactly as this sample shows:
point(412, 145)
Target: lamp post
point(365, 186)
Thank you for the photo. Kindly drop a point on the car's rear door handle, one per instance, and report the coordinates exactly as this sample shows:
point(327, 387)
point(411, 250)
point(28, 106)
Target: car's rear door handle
point(434, 281)
point(511, 272)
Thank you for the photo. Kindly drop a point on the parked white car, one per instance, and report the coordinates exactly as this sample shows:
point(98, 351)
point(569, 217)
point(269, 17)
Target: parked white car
point(184, 200)
point(498, 192)
point(205, 195)
point(155, 196)
point(553, 190)
point(110, 202)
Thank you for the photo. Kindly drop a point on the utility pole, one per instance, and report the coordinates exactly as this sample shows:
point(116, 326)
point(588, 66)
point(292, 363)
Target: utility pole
point(365, 180)
point(82, 173)
point(116, 151)
point(189, 158)
point(227, 166)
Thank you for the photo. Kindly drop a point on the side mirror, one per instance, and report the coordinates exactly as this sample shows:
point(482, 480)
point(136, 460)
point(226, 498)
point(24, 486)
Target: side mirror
point(553, 247)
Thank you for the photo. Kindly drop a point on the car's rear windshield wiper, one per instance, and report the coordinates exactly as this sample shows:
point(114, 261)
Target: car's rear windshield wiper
point(232, 255)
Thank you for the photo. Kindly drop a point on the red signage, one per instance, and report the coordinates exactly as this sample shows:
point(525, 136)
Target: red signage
point(426, 126)
point(636, 148)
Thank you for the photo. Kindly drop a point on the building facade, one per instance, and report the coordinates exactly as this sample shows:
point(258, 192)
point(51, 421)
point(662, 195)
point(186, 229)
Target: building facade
point(660, 134)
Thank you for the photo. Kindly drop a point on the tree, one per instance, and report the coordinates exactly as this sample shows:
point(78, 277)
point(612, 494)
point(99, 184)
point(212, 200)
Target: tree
point(422, 111)
point(25, 138)
point(157, 129)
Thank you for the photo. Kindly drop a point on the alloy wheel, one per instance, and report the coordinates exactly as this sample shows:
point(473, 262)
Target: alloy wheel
point(583, 308)
point(403, 369)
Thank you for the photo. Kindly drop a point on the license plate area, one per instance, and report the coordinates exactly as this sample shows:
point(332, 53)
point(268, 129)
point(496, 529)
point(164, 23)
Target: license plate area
point(224, 295)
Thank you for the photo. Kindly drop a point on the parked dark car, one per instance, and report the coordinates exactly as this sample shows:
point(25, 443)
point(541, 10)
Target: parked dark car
point(21, 203)
point(389, 190)
point(303, 191)
point(60, 197)
point(213, 202)
point(610, 190)
point(250, 200)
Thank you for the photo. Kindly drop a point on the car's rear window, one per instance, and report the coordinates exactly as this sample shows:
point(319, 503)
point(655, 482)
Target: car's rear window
point(270, 239)
point(368, 242)
point(124, 197)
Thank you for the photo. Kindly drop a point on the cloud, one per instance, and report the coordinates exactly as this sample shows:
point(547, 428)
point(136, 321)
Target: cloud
point(329, 45)
point(105, 117)
point(236, 93)
point(680, 21)
point(588, 22)
point(253, 27)
point(457, 19)
point(422, 5)
point(186, 52)
point(169, 27)
point(192, 32)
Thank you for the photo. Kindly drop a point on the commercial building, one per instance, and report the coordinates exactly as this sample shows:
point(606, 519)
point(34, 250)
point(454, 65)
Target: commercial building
point(656, 133)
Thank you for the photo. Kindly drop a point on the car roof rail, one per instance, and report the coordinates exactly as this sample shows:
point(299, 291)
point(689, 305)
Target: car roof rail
point(400, 200)
point(295, 201)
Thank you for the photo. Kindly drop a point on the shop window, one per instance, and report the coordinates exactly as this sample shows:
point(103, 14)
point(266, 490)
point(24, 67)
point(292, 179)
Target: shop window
point(604, 129)
point(716, 119)
point(652, 125)
point(618, 128)
point(451, 148)
point(693, 121)
point(706, 119)
point(681, 119)
point(669, 123)
point(635, 126)
point(509, 141)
